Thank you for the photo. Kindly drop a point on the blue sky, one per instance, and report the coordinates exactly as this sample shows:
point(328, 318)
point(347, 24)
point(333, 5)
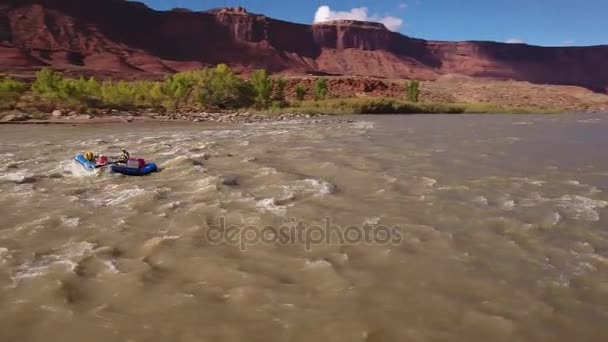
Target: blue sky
point(538, 22)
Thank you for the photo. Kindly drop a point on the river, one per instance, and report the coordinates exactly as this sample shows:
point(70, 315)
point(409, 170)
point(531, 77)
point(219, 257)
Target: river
point(376, 228)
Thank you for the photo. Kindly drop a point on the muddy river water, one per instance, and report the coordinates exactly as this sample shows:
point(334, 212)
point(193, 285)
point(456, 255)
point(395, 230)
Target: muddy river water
point(379, 228)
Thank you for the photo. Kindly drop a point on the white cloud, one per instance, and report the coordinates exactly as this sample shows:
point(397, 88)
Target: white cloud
point(514, 41)
point(403, 5)
point(325, 13)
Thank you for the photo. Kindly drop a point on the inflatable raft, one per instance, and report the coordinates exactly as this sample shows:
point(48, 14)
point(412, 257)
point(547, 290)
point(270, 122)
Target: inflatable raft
point(134, 171)
point(87, 164)
point(134, 167)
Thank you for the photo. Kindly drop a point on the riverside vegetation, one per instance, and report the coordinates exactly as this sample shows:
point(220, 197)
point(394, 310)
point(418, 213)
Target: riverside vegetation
point(218, 89)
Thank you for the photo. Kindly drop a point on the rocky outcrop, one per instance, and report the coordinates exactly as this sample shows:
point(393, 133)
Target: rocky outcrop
point(129, 38)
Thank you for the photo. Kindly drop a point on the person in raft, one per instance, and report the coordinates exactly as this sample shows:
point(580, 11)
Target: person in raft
point(103, 160)
point(123, 158)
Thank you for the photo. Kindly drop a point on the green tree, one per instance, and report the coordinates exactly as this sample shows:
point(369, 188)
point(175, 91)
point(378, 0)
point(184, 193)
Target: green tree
point(54, 87)
point(413, 91)
point(11, 91)
point(300, 92)
point(279, 92)
point(47, 83)
point(156, 95)
point(262, 85)
point(321, 88)
point(220, 87)
point(179, 86)
point(118, 94)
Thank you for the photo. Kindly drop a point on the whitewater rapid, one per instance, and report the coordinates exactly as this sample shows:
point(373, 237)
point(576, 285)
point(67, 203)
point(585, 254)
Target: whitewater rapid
point(479, 228)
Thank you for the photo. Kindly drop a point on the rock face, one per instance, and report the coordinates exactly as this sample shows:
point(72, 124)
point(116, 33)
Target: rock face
point(130, 38)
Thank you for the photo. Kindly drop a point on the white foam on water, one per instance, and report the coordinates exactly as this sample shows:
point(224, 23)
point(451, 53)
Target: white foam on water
point(34, 225)
point(455, 187)
point(593, 120)
point(580, 208)
point(317, 264)
point(5, 158)
point(527, 180)
point(427, 182)
point(536, 182)
point(180, 159)
point(523, 123)
point(270, 204)
point(371, 221)
point(364, 125)
point(67, 257)
point(70, 222)
point(115, 195)
point(317, 187)
point(18, 177)
point(111, 266)
point(73, 168)
point(389, 179)
point(480, 200)
point(555, 218)
point(507, 204)
point(5, 255)
point(266, 171)
point(204, 184)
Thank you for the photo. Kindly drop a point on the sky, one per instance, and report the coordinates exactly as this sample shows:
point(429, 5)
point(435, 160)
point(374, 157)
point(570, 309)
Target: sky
point(536, 22)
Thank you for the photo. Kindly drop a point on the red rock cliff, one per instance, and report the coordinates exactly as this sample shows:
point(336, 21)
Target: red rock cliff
point(118, 35)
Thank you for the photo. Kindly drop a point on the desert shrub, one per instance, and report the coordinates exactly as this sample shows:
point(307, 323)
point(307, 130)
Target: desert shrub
point(117, 94)
point(179, 87)
point(300, 92)
point(321, 88)
point(279, 93)
point(375, 106)
point(412, 89)
point(262, 86)
point(11, 91)
point(47, 83)
point(52, 86)
point(220, 87)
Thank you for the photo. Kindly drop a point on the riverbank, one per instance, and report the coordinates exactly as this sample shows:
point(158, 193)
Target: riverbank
point(295, 109)
point(219, 95)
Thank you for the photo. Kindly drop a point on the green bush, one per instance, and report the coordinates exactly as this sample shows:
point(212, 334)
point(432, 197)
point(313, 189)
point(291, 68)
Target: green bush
point(47, 83)
point(321, 89)
point(279, 93)
point(11, 91)
point(52, 86)
point(220, 87)
point(262, 85)
point(413, 91)
point(178, 87)
point(117, 94)
point(300, 92)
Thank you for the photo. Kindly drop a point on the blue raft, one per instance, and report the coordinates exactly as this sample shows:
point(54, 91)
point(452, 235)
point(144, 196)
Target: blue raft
point(122, 169)
point(89, 165)
point(133, 171)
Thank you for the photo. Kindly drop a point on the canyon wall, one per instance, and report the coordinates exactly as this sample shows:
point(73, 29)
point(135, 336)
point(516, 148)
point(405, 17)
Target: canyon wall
point(128, 37)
